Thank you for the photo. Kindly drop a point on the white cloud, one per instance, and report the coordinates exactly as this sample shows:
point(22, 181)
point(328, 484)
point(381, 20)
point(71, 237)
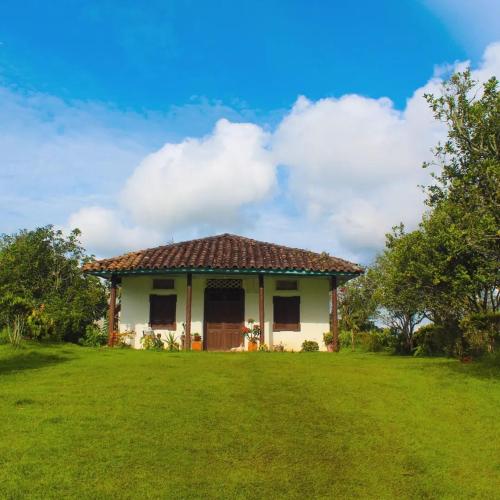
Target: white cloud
point(205, 181)
point(103, 229)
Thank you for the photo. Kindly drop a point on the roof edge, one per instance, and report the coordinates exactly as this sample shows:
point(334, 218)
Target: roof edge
point(197, 270)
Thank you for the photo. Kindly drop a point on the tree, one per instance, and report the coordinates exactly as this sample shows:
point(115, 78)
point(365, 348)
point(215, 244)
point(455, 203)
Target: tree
point(463, 228)
point(357, 306)
point(401, 301)
point(43, 269)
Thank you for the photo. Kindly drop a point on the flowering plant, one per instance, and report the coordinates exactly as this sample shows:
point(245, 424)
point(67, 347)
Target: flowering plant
point(251, 332)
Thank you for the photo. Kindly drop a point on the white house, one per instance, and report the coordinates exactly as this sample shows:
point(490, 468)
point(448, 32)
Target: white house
point(213, 285)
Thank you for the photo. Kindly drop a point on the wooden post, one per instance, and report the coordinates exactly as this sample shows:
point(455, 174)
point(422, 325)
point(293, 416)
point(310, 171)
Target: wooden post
point(261, 307)
point(335, 318)
point(112, 311)
point(189, 298)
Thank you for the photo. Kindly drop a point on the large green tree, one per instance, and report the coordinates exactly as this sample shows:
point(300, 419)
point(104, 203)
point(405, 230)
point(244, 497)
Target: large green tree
point(42, 269)
point(462, 229)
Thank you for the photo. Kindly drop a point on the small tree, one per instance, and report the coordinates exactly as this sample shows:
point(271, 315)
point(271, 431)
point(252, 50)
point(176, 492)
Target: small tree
point(401, 302)
point(358, 306)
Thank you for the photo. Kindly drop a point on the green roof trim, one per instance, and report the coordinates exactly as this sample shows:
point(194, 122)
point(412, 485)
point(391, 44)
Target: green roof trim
point(209, 270)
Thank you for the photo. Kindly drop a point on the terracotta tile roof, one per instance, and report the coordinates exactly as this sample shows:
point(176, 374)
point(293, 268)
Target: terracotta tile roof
point(225, 251)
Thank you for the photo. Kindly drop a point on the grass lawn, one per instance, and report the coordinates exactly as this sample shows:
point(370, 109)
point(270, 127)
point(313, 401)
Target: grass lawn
point(89, 423)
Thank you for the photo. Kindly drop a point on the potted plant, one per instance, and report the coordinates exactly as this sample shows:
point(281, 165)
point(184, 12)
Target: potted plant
point(196, 342)
point(252, 333)
point(328, 340)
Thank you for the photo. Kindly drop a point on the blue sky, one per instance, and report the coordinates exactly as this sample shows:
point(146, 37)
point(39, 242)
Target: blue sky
point(90, 90)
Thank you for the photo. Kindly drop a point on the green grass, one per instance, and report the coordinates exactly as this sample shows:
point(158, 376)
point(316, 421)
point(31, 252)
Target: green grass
point(88, 423)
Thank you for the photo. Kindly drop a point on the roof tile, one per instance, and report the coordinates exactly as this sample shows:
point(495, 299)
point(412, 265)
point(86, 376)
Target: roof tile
point(226, 251)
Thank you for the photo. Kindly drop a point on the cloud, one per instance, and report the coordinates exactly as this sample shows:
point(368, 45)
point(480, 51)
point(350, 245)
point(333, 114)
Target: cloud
point(205, 180)
point(103, 229)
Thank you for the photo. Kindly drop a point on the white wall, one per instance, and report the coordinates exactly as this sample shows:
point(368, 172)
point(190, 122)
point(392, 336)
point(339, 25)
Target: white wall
point(314, 306)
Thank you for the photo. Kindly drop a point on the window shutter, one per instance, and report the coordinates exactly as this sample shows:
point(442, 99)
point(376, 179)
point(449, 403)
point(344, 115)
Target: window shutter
point(286, 314)
point(162, 310)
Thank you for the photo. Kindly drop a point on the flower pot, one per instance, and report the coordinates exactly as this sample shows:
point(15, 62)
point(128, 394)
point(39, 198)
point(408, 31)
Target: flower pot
point(196, 345)
point(252, 346)
point(329, 347)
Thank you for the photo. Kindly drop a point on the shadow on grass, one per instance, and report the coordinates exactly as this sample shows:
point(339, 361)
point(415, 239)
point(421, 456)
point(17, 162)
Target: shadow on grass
point(487, 368)
point(31, 360)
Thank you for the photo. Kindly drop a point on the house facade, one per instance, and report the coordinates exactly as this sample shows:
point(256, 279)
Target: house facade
point(212, 286)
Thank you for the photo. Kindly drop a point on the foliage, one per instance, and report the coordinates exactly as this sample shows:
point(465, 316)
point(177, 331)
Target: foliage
point(150, 341)
point(401, 303)
point(39, 324)
point(42, 268)
point(197, 337)
point(263, 348)
point(372, 341)
point(434, 340)
point(251, 332)
point(463, 229)
point(357, 304)
point(278, 347)
point(328, 338)
point(309, 346)
point(481, 332)
point(94, 337)
point(171, 343)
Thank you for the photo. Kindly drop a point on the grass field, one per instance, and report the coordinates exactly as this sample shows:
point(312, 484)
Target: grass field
point(88, 423)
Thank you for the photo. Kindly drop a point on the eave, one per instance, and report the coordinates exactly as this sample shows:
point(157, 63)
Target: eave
point(240, 272)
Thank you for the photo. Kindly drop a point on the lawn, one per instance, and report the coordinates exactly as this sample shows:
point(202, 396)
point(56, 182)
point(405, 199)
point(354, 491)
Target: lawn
point(90, 423)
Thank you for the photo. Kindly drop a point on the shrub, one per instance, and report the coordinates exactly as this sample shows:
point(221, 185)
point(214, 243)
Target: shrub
point(377, 340)
point(151, 341)
point(278, 347)
point(328, 338)
point(309, 346)
point(434, 340)
point(94, 337)
point(263, 348)
point(481, 332)
point(171, 343)
point(39, 325)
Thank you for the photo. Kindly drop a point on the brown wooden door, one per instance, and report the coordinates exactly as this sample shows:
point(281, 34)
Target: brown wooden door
point(224, 318)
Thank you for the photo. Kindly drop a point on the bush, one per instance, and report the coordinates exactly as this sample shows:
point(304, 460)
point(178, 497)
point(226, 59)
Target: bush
point(377, 340)
point(434, 340)
point(328, 338)
point(309, 346)
point(152, 342)
point(372, 341)
point(39, 325)
point(481, 333)
point(94, 337)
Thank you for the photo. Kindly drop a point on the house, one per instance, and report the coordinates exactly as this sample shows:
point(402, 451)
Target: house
point(213, 285)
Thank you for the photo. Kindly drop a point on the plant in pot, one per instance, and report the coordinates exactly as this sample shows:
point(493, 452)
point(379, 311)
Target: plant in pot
point(196, 342)
point(328, 340)
point(252, 333)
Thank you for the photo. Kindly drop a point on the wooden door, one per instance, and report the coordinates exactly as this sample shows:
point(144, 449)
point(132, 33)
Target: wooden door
point(224, 318)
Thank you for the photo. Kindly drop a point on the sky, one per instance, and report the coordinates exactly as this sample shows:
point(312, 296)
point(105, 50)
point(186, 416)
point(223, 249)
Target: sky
point(296, 122)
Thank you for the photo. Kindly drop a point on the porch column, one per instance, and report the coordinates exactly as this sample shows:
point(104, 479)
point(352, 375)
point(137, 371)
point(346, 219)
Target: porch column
point(189, 299)
point(112, 311)
point(261, 308)
point(334, 319)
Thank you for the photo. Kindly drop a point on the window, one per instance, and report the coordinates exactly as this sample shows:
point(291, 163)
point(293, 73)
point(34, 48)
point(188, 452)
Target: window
point(163, 284)
point(162, 311)
point(286, 314)
point(286, 285)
